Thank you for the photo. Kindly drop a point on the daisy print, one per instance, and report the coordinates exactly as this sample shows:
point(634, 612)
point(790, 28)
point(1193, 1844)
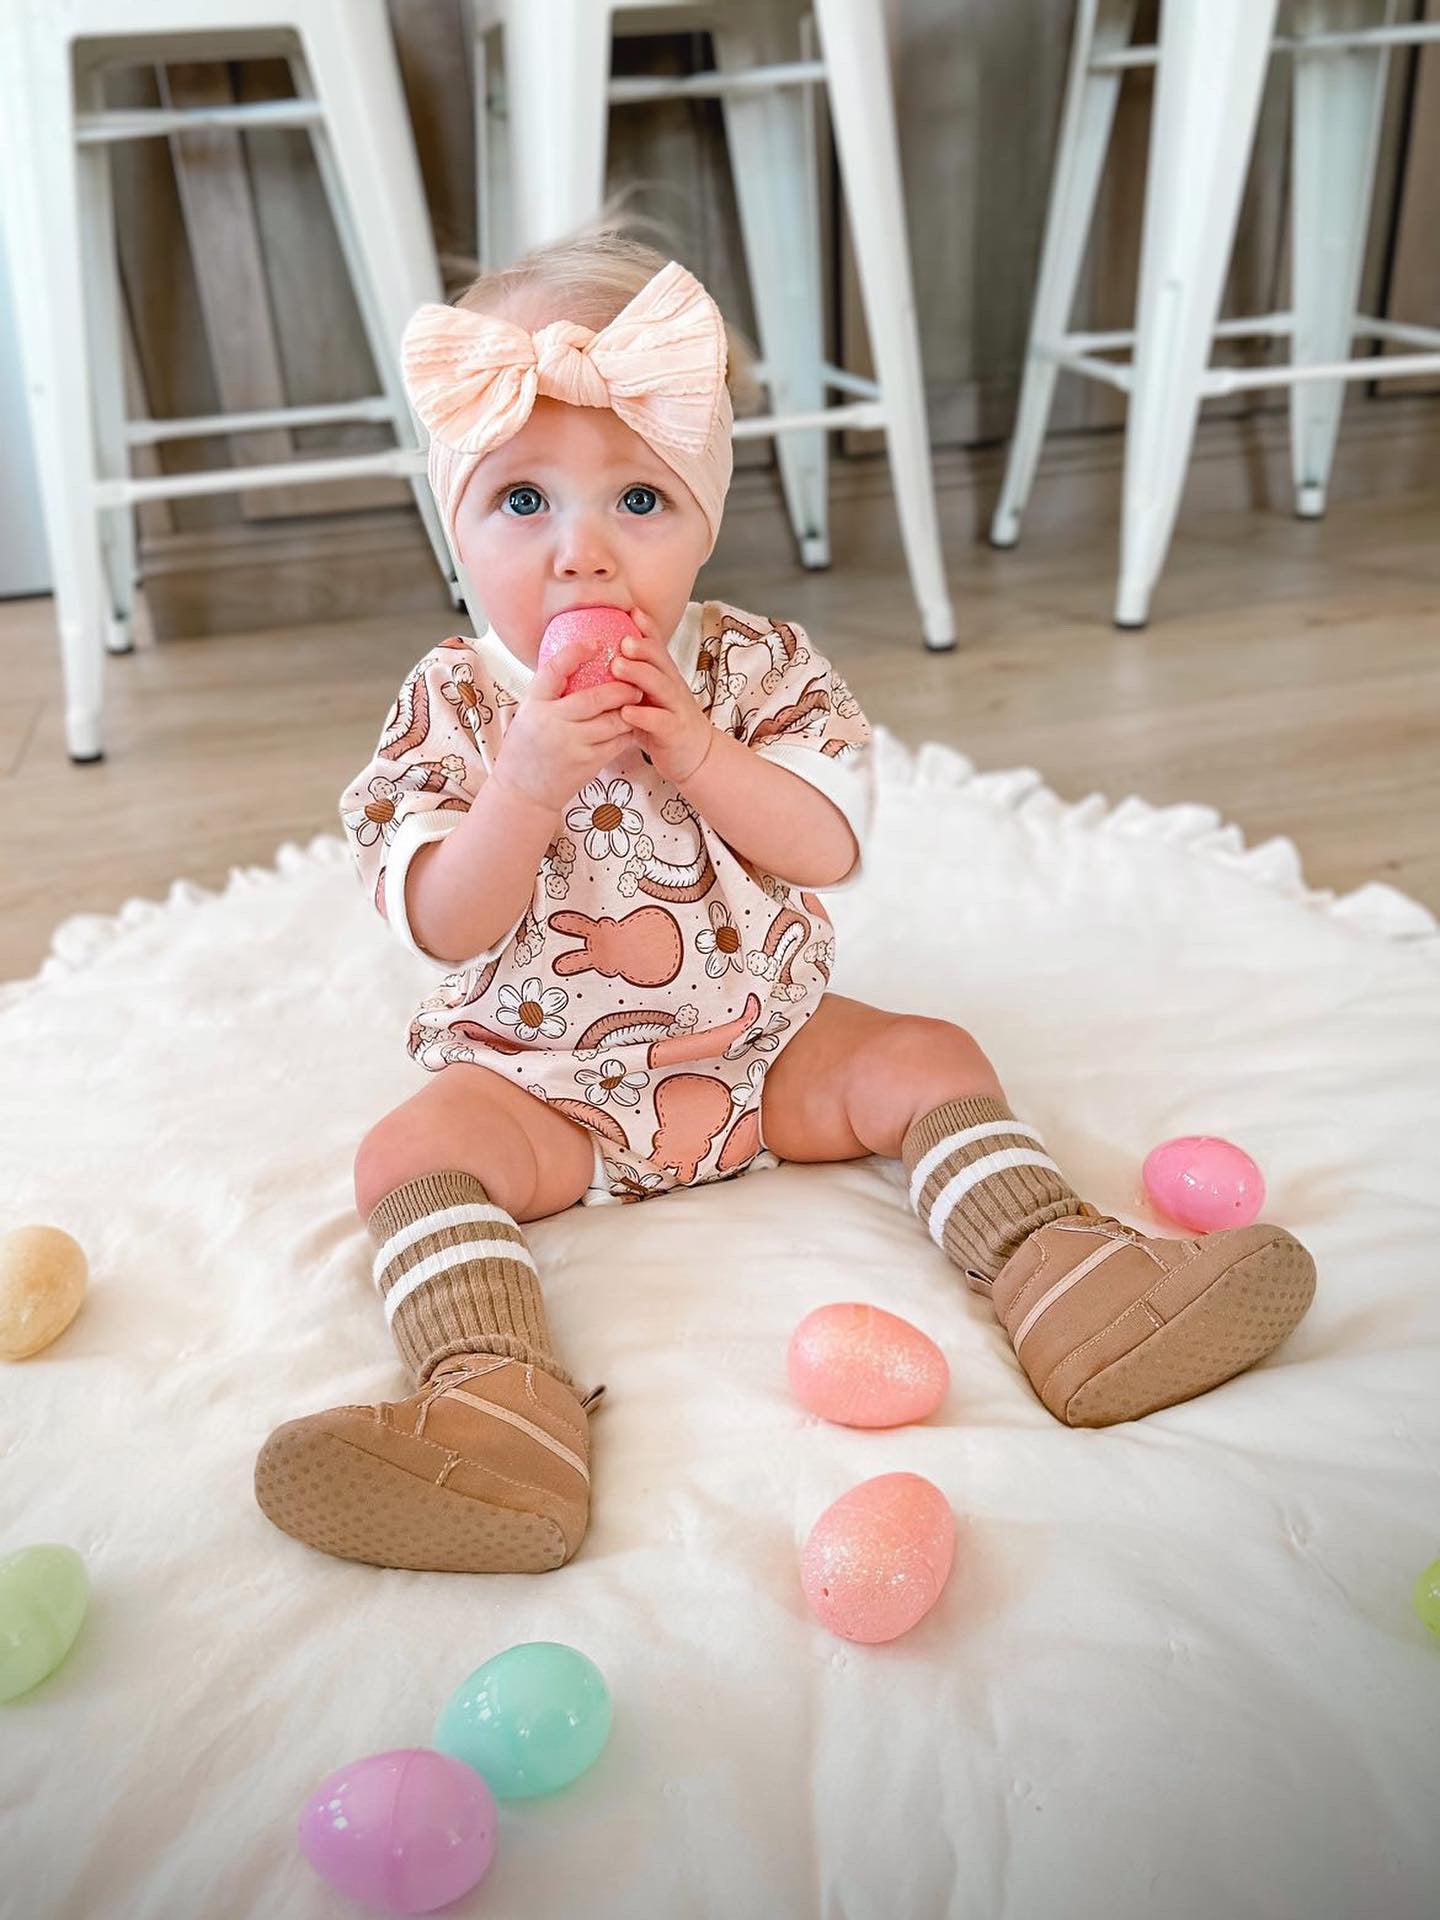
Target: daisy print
point(606, 818)
point(764, 1039)
point(749, 1088)
point(377, 821)
point(530, 1012)
point(720, 942)
point(471, 707)
point(609, 1081)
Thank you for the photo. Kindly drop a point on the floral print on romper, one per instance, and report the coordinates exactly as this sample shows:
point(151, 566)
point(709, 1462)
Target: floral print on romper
point(655, 973)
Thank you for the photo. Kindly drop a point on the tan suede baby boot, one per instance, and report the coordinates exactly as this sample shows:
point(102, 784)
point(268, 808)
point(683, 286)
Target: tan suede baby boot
point(487, 1468)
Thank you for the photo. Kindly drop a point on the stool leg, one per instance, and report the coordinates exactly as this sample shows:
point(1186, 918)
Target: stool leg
point(1207, 97)
point(862, 113)
point(557, 84)
point(39, 178)
point(106, 350)
point(772, 156)
point(492, 160)
point(367, 165)
point(1335, 136)
point(1101, 26)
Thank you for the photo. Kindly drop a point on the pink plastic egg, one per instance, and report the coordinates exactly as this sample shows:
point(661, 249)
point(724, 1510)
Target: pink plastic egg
point(1205, 1183)
point(864, 1367)
point(877, 1560)
point(405, 1831)
point(603, 628)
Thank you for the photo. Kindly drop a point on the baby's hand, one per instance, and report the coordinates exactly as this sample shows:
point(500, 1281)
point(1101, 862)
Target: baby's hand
point(558, 741)
point(670, 726)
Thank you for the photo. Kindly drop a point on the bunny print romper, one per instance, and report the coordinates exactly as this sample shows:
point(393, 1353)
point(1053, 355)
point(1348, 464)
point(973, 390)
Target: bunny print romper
point(655, 973)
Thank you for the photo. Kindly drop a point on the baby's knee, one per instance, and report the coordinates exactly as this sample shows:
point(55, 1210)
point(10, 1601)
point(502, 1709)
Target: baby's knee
point(915, 1049)
point(437, 1131)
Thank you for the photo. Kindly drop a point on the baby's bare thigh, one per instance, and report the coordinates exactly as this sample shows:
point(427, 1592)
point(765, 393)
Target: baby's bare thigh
point(531, 1160)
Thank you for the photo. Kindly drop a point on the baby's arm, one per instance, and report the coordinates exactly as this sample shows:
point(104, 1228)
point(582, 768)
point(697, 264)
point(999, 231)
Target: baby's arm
point(463, 892)
point(772, 816)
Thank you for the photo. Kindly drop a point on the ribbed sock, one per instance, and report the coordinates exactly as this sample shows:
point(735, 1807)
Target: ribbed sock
point(981, 1184)
point(457, 1277)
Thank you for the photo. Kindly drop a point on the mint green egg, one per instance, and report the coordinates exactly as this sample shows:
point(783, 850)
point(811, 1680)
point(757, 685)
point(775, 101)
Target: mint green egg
point(43, 1595)
point(1427, 1596)
point(529, 1721)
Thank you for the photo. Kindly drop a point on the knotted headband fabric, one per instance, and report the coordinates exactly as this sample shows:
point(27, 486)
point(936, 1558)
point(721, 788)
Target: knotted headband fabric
point(473, 379)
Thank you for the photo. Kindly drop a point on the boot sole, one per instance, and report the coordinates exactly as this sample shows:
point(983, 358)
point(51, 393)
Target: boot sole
point(1243, 1315)
point(343, 1501)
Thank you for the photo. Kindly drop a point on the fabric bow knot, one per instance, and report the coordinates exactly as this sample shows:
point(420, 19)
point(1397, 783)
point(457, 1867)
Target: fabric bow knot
point(473, 378)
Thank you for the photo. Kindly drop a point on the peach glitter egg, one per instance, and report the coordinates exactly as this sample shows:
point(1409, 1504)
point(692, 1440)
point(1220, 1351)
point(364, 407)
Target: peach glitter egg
point(878, 1559)
point(863, 1367)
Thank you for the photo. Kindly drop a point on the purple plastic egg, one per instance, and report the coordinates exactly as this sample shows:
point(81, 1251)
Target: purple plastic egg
point(1204, 1183)
point(405, 1831)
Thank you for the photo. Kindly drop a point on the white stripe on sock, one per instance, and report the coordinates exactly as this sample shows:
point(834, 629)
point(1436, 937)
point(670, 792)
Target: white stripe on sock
point(942, 1149)
point(452, 1257)
point(959, 1184)
point(525, 1426)
point(1063, 1286)
point(466, 1216)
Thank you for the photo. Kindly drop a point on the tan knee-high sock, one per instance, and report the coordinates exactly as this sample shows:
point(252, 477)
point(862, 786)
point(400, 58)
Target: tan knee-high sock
point(982, 1184)
point(456, 1276)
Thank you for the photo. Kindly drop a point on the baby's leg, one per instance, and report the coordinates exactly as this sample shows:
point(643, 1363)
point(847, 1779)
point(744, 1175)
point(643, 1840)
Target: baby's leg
point(532, 1160)
point(486, 1468)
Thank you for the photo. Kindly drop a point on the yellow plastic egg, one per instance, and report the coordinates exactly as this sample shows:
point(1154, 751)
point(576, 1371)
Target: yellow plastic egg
point(42, 1282)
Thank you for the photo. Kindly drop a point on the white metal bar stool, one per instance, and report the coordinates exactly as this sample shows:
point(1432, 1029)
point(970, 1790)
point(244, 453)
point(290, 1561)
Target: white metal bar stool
point(548, 176)
point(55, 139)
point(1210, 68)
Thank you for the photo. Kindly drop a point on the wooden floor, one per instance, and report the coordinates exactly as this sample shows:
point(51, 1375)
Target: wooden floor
point(1290, 678)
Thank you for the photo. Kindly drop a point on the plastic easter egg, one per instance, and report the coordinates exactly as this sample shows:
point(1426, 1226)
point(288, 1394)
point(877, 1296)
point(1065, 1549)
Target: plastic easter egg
point(864, 1367)
point(602, 628)
point(531, 1720)
point(1427, 1597)
point(877, 1560)
point(1205, 1183)
point(42, 1282)
point(44, 1592)
point(405, 1831)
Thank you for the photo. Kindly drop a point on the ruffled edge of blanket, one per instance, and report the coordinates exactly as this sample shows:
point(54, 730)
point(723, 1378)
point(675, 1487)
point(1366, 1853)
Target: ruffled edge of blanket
point(1375, 909)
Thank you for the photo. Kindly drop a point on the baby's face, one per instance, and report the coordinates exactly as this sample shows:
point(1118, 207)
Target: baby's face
point(577, 511)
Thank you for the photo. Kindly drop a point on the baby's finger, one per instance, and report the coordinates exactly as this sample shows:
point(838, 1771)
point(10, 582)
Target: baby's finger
point(648, 678)
point(645, 719)
point(550, 676)
point(586, 703)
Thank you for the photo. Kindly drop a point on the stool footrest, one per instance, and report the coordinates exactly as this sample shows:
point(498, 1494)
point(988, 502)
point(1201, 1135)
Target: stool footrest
point(147, 123)
point(148, 433)
point(401, 463)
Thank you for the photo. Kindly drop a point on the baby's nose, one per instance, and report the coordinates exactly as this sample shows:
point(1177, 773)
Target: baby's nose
point(583, 553)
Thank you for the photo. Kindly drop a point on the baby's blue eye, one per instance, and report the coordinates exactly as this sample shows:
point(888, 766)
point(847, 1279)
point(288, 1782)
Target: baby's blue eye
point(523, 501)
point(641, 499)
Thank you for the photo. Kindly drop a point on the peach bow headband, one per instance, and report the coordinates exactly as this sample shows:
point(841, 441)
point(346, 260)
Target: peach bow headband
point(660, 365)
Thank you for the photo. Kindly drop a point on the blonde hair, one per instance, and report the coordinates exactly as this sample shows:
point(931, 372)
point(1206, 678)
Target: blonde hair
point(587, 277)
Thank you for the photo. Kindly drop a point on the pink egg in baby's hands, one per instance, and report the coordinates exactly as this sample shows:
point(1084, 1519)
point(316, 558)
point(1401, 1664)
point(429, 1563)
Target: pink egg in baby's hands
point(602, 628)
point(877, 1560)
point(863, 1367)
point(1204, 1183)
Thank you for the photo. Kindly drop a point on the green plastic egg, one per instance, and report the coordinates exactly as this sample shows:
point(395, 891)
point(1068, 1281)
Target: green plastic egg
point(1427, 1596)
point(529, 1721)
point(43, 1595)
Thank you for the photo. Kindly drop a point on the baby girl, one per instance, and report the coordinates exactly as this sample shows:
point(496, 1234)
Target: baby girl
point(621, 888)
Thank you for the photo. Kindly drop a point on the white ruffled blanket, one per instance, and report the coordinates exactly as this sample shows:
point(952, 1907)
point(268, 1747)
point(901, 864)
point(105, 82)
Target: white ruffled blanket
point(1176, 1670)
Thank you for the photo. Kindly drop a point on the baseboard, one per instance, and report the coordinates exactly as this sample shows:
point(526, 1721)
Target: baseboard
point(347, 565)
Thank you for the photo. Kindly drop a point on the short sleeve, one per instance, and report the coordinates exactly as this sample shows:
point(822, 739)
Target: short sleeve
point(791, 706)
point(426, 770)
